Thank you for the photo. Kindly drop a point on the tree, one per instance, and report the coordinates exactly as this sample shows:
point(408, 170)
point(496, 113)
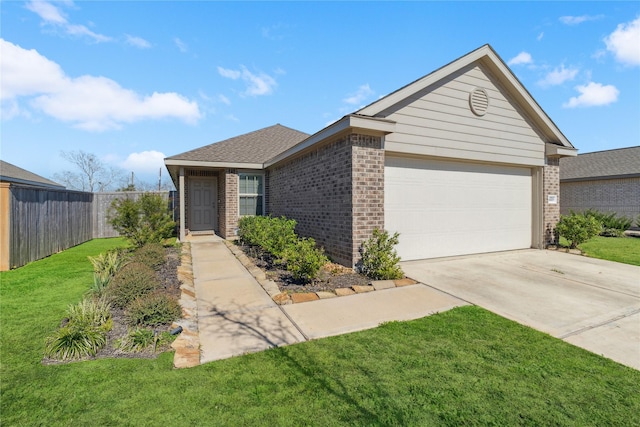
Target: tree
point(91, 173)
point(578, 228)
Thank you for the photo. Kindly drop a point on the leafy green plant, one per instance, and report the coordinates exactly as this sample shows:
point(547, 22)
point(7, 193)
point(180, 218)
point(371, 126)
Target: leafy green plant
point(578, 228)
point(91, 312)
point(152, 310)
point(132, 281)
point(304, 259)
point(273, 235)
point(84, 334)
point(151, 254)
point(379, 257)
point(143, 221)
point(75, 341)
point(612, 224)
point(105, 266)
point(137, 340)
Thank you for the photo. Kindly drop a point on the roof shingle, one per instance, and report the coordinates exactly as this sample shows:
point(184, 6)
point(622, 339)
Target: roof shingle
point(601, 164)
point(12, 173)
point(254, 147)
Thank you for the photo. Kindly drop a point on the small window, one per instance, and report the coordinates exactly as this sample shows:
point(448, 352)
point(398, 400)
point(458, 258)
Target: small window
point(251, 191)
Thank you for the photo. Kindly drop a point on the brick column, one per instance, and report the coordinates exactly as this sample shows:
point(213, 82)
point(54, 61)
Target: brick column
point(551, 212)
point(229, 200)
point(367, 178)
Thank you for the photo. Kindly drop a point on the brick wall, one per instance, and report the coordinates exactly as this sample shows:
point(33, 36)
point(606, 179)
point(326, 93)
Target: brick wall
point(228, 195)
point(551, 212)
point(621, 196)
point(334, 192)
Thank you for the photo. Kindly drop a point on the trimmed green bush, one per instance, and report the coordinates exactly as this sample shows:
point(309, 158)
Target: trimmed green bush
point(578, 228)
point(379, 257)
point(152, 255)
point(303, 259)
point(273, 235)
point(146, 220)
point(153, 310)
point(132, 281)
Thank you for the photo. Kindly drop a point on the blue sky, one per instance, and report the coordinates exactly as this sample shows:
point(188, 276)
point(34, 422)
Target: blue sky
point(134, 82)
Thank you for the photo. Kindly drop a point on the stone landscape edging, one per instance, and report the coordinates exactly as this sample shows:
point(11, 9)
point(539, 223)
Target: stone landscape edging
point(283, 298)
point(187, 344)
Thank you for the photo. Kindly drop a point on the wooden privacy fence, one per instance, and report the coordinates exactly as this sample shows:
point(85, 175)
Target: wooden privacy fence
point(38, 222)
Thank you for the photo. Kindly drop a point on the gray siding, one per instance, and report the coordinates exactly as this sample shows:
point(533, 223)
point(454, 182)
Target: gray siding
point(439, 122)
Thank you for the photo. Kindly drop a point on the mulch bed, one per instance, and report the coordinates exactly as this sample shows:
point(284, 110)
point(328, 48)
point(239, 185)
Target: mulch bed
point(330, 277)
point(169, 283)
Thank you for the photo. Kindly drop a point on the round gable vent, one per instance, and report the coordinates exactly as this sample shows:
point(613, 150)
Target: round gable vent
point(479, 101)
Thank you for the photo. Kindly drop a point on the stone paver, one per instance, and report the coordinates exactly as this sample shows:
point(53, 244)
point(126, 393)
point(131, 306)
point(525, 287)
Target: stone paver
point(325, 295)
point(362, 289)
point(379, 285)
point(304, 297)
point(343, 292)
point(404, 282)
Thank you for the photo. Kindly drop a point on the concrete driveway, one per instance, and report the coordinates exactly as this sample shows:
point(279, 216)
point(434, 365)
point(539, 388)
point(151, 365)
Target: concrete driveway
point(590, 303)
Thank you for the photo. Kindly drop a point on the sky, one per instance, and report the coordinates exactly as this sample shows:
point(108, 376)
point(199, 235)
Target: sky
point(134, 82)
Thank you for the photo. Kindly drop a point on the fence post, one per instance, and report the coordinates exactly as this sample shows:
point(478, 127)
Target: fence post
point(5, 226)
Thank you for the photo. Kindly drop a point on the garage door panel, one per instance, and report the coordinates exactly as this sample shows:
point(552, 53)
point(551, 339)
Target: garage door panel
point(445, 208)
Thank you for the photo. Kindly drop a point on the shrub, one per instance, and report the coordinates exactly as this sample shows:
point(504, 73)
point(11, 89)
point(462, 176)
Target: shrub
point(578, 228)
point(137, 340)
point(91, 312)
point(75, 341)
point(379, 258)
point(303, 259)
point(146, 220)
point(152, 255)
point(152, 310)
point(273, 235)
point(84, 334)
point(612, 224)
point(105, 266)
point(132, 281)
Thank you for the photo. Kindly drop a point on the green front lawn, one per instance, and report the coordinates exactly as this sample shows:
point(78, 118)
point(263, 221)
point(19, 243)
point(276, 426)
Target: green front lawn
point(619, 249)
point(465, 366)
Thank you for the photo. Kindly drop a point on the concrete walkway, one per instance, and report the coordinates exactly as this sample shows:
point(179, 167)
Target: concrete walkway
point(236, 316)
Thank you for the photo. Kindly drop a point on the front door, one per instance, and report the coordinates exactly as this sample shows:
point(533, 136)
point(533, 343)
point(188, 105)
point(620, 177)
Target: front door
point(203, 204)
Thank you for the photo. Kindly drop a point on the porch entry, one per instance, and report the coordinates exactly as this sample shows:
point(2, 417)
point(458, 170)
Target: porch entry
point(203, 204)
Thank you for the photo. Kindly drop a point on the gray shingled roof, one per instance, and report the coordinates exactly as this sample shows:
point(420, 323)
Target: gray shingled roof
point(12, 173)
point(601, 164)
point(253, 147)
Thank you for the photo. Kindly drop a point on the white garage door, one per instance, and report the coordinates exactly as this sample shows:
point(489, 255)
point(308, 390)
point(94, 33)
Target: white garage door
point(443, 208)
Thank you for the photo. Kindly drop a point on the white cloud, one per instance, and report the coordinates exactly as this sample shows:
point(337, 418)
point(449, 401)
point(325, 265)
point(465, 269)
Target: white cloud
point(360, 95)
point(624, 42)
point(593, 94)
point(144, 162)
point(138, 42)
point(52, 15)
point(575, 20)
point(224, 99)
point(521, 58)
point(48, 12)
point(182, 46)
point(558, 76)
point(88, 102)
point(256, 84)
point(540, 36)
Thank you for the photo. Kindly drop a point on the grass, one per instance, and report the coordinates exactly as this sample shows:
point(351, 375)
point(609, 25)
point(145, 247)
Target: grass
point(619, 249)
point(464, 366)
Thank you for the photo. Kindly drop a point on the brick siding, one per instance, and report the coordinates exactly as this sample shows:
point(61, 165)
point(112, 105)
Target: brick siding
point(335, 193)
point(228, 195)
point(621, 196)
point(551, 213)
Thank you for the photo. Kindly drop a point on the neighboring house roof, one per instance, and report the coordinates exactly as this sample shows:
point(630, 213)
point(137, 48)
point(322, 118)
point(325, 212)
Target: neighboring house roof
point(251, 148)
point(14, 174)
point(609, 164)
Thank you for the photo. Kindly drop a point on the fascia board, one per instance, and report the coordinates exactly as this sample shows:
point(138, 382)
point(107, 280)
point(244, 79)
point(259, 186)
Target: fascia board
point(198, 163)
point(553, 150)
point(363, 124)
